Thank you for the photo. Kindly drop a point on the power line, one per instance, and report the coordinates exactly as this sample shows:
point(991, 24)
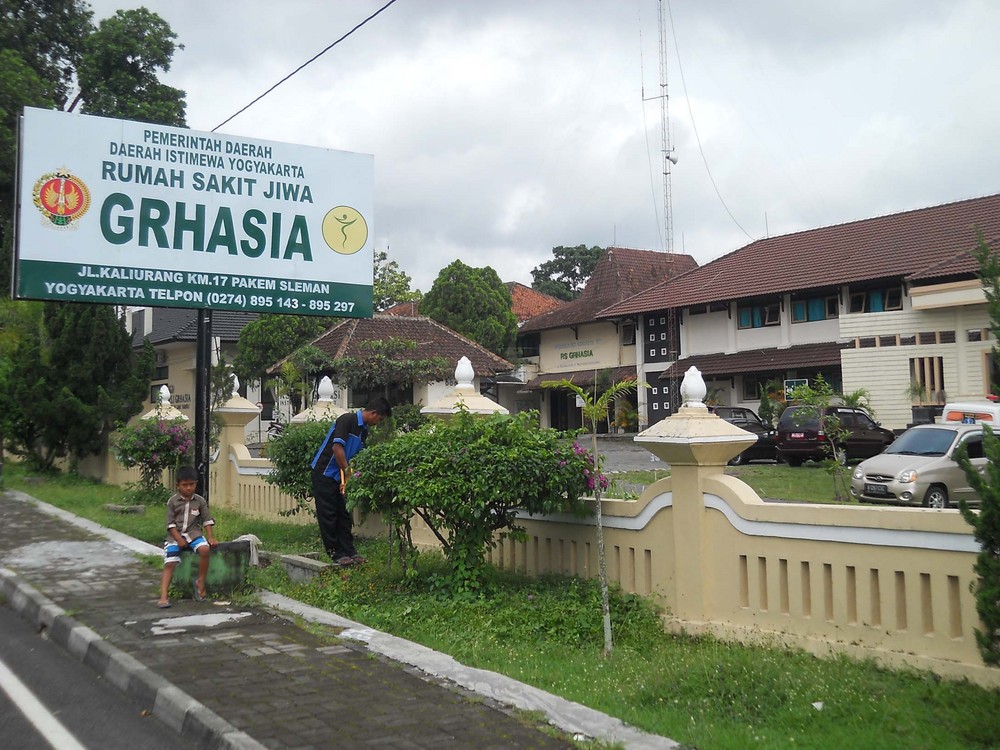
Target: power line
point(307, 62)
point(694, 127)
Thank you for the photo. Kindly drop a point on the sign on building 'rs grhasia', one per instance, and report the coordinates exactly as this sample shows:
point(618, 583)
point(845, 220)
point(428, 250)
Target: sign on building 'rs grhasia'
point(129, 213)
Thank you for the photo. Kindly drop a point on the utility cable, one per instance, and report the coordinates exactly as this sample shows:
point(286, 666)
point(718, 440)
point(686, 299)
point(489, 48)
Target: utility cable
point(307, 62)
point(645, 129)
point(694, 127)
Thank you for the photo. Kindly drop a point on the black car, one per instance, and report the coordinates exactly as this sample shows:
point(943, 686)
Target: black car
point(765, 449)
point(801, 434)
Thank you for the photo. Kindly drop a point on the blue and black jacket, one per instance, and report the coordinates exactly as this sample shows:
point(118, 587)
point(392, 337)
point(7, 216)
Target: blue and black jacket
point(350, 431)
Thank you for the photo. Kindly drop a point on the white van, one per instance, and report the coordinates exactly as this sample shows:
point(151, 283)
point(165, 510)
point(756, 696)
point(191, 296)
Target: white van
point(971, 412)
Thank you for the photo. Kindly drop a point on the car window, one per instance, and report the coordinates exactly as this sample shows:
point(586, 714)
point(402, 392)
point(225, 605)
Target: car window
point(865, 421)
point(975, 445)
point(847, 419)
point(923, 442)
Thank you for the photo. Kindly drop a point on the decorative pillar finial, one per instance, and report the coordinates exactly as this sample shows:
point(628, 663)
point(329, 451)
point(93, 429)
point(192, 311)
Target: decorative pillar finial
point(325, 389)
point(693, 388)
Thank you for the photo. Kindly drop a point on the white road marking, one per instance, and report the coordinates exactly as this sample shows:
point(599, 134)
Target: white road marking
point(35, 711)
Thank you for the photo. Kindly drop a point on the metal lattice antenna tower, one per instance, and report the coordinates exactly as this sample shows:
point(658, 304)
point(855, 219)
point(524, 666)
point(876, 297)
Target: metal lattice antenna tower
point(668, 151)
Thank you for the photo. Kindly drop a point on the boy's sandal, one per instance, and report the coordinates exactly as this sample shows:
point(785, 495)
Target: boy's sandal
point(163, 605)
point(198, 596)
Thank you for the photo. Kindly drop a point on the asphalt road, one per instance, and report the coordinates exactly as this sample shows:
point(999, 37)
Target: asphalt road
point(622, 454)
point(49, 699)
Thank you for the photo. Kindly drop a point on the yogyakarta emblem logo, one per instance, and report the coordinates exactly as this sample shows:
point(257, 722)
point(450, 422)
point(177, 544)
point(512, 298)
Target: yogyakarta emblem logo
point(61, 198)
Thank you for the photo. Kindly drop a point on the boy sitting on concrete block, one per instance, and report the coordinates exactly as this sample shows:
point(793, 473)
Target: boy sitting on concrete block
point(189, 526)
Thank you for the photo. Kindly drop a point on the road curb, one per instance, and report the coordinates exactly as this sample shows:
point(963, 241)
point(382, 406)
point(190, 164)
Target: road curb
point(171, 705)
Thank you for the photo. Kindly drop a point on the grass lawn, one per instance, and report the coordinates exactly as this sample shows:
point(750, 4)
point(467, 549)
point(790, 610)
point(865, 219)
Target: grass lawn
point(547, 632)
point(809, 483)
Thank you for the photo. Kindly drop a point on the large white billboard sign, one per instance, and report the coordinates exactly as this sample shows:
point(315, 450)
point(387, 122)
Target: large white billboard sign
point(129, 213)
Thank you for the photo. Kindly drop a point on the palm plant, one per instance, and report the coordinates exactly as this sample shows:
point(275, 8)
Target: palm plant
point(596, 407)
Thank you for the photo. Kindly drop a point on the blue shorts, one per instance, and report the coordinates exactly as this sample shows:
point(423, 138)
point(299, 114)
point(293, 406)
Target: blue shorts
point(172, 552)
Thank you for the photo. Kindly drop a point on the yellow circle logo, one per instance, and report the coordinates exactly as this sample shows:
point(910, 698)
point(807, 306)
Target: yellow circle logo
point(345, 230)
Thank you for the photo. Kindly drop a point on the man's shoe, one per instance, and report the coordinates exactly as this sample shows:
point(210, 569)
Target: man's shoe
point(344, 561)
point(359, 560)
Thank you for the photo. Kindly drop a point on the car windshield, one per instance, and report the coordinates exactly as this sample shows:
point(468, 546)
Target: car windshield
point(799, 417)
point(931, 442)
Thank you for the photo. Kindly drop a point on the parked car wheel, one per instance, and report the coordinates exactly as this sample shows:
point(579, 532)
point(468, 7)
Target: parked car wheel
point(936, 497)
point(793, 461)
point(738, 459)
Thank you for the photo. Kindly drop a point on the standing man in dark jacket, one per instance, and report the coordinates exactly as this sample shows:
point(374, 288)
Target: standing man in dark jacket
point(330, 472)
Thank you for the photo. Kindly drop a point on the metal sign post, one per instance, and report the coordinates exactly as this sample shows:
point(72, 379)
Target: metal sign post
point(203, 401)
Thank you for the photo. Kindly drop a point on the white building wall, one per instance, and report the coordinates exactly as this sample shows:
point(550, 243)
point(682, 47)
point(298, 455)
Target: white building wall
point(706, 333)
point(815, 332)
point(757, 338)
point(884, 370)
point(592, 346)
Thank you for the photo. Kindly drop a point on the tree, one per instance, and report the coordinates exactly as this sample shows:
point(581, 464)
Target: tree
point(83, 380)
point(565, 276)
point(986, 523)
point(816, 400)
point(596, 407)
point(120, 66)
point(271, 338)
point(384, 364)
point(391, 285)
point(47, 36)
point(63, 395)
point(475, 303)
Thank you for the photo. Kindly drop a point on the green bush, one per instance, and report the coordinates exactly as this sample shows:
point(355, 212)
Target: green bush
point(154, 445)
point(467, 478)
point(290, 453)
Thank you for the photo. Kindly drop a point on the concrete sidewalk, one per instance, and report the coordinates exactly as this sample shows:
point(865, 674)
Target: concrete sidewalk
point(231, 676)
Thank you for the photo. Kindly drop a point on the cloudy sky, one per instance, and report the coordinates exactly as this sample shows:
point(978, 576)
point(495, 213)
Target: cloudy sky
point(503, 128)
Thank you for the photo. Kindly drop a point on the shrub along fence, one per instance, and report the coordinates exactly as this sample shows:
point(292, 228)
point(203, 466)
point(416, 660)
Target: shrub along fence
point(892, 584)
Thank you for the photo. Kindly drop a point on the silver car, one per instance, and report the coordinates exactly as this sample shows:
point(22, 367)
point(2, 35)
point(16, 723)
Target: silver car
point(919, 468)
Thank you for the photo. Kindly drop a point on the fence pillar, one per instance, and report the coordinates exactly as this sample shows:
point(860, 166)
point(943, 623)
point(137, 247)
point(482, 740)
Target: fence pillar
point(236, 414)
point(697, 444)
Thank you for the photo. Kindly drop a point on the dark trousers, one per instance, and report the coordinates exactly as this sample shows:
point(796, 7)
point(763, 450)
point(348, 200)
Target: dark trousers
point(334, 520)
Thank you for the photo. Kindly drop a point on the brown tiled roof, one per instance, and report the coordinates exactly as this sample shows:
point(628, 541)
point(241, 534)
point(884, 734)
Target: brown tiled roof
point(760, 360)
point(924, 244)
point(530, 302)
point(619, 274)
point(582, 378)
point(432, 338)
point(406, 309)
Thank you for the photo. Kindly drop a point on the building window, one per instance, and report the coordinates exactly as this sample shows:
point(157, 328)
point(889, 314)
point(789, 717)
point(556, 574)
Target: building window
point(927, 380)
point(758, 315)
point(664, 352)
point(663, 337)
point(161, 371)
point(652, 352)
point(529, 345)
point(876, 300)
point(628, 335)
point(654, 390)
point(811, 309)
